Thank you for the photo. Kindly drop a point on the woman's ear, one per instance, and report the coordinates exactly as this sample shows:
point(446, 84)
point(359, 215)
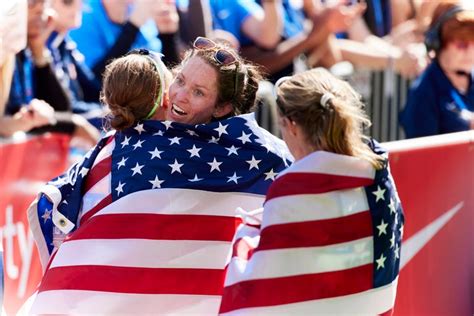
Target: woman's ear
point(291, 126)
point(222, 110)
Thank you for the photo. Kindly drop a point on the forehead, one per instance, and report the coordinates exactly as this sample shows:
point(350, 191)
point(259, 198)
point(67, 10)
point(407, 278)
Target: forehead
point(200, 72)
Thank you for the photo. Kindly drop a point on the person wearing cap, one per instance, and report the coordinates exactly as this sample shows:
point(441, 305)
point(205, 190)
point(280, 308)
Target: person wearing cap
point(441, 100)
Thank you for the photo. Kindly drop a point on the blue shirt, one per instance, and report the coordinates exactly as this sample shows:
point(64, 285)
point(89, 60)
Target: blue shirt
point(22, 86)
point(230, 15)
point(434, 105)
point(98, 33)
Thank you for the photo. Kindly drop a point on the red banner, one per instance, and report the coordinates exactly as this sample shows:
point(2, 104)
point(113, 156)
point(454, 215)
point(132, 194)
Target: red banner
point(435, 180)
point(434, 176)
point(24, 167)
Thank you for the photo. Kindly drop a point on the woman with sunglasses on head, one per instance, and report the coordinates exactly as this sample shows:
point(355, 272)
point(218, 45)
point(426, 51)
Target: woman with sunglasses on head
point(441, 100)
point(154, 203)
point(330, 232)
point(212, 82)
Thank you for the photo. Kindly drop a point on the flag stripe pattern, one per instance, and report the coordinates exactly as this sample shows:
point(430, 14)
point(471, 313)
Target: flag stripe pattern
point(328, 242)
point(162, 229)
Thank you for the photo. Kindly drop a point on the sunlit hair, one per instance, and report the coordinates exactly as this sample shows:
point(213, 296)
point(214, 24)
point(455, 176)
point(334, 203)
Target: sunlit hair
point(334, 125)
point(131, 88)
point(458, 27)
point(237, 82)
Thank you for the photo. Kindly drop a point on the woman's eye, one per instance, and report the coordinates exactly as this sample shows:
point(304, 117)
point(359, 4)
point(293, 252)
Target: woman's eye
point(179, 81)
point(198, 93)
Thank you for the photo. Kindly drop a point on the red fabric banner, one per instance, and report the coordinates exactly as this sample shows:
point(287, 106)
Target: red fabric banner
point(24, 167)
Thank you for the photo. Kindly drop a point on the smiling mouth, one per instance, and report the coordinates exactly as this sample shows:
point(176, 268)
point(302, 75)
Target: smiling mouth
point(177, 110)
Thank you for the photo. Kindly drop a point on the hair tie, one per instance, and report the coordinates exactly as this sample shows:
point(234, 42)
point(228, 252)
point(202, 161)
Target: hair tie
point(325, 99)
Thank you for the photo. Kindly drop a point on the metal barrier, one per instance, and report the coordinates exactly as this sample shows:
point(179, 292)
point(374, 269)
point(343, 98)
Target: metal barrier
point(385, 94)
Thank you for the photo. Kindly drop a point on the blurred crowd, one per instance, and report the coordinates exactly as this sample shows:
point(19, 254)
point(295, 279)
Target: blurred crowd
point(53, 52)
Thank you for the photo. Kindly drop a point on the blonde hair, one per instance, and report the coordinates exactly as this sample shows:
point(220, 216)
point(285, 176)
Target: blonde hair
point(329, 112)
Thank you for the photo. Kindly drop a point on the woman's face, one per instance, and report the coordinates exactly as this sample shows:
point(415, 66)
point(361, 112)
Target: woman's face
point(459, 55)
point(193, 93)
point(69, 15)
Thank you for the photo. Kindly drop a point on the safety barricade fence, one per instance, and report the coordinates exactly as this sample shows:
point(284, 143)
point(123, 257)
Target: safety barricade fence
point(434, 177)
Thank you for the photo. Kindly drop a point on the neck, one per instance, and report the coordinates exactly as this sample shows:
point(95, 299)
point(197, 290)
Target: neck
point(459, 80)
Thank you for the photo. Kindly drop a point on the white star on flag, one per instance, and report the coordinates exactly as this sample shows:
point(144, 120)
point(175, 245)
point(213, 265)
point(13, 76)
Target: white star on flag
point(392, 241)
point(245, 138)
point(191, 132)
point(125, 141)
point(397, 252)
point(270, 175)
point(194, 151)
point(381, 262)
point(175, 140)
point(214, 165)
point(46, 215)
point(195, 179)
point(155, 153)
point(382, 228)
point(119, 188)
point(175, 167)
point(84, 171)
point(159, 133)
point(391, 206)
point(138, 144)
point(156, 182)
point(253, 163)
point(213, 140)
point(232, 150)
point(137, 169)
point(139, 128)
point(221, 129)
point(167, 124)
point(234, 178)
point(121, 163)
point(379, 194)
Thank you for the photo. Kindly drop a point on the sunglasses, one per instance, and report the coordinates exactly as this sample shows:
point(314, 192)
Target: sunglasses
point(155, 58)
point(222, 56)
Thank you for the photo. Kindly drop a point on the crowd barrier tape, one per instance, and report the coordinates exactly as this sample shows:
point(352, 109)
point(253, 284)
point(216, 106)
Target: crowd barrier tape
point(434, 177)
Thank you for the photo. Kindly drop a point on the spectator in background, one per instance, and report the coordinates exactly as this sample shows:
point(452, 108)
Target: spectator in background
point(442, 99)
point(111, 28)
point(76, 78)
point(292, 37)
point(13, 22)
point(35, 78)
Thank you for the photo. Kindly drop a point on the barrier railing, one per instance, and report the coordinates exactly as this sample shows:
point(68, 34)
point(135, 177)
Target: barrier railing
point(434, 177)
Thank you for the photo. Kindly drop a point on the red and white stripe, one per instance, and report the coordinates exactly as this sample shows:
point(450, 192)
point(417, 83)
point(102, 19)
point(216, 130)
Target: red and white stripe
point(150, 251)
point(313, 253)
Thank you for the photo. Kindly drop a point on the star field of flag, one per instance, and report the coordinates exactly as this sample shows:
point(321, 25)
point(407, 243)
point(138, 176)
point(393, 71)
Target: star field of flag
point(221, 157)
point(387, 222)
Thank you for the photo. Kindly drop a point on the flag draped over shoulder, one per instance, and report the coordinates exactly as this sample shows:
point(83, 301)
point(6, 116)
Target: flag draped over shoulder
point(328, 242)
point(144, 223)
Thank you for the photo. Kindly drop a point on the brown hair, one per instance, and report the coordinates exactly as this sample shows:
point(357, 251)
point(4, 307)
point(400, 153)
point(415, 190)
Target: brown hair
point(237, 82)
point(130, 88)
point(335, 125)
point(458, 27)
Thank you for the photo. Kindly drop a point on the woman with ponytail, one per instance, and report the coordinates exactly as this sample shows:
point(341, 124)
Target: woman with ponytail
point(328, 238)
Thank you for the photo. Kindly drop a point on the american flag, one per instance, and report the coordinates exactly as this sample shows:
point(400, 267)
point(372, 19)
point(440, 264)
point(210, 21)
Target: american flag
point(144, 223)
point(328, 242)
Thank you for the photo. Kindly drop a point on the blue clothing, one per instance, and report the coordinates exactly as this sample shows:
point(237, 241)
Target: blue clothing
point(434, 105)
point(22, 87)
point(230, 15)
point(98, 34)
point(74, 75)
point(378, 17)
point(293, 18)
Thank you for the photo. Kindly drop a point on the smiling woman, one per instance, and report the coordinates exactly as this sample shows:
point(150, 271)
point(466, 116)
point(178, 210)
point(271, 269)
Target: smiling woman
point(212, 82)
